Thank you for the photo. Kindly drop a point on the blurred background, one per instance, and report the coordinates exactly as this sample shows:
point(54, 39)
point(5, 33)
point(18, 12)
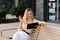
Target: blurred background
point(11, 9)
point(43, 10)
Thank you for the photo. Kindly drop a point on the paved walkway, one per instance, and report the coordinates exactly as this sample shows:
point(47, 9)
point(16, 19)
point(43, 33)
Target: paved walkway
point(9, 25)
point(8, 33)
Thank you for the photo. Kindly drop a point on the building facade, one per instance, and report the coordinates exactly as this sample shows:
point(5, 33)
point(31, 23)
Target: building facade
point(51, 10)
point(48, 10)
point(39, 9)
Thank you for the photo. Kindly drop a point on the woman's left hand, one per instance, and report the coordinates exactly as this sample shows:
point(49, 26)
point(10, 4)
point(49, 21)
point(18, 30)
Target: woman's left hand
point(41, 24)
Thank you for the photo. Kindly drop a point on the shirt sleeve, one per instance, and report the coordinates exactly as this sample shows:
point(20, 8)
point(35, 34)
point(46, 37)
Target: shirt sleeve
point(15, 36)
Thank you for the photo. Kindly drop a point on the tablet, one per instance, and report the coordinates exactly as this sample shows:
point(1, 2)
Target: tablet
point(32, 25)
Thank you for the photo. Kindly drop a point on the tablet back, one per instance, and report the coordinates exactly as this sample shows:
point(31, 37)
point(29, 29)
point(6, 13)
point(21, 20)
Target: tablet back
point(32, 25)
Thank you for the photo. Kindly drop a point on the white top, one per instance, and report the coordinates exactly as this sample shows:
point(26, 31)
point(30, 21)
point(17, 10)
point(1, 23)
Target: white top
point(20, 35)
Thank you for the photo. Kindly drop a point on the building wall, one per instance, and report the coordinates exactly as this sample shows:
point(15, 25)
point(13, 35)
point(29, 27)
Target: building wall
point(16, 2)
point(39, 9)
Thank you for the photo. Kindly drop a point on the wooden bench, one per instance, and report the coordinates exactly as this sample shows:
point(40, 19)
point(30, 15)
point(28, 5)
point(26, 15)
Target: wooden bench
point(48, 32)
point(36, 32)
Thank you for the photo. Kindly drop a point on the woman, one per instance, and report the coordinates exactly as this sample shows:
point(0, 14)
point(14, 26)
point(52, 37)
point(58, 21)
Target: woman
point(23, 32)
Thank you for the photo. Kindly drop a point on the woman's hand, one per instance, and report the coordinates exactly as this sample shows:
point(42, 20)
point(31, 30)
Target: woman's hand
point(41, 24)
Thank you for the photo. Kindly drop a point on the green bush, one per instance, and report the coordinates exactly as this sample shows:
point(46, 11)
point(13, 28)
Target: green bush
point(19, 10)
point(7, 8)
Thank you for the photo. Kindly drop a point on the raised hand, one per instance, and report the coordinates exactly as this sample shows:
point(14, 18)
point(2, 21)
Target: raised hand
point(21, 21)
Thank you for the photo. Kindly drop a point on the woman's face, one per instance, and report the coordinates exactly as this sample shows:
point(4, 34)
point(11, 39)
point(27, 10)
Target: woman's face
point(29, 14)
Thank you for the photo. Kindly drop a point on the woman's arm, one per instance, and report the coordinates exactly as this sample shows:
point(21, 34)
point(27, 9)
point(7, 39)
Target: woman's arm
point(40, 23)
point(20, 26)
point(21, 22)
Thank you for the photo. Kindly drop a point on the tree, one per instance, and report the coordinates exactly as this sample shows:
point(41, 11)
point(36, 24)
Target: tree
point(19, 10)
point(5, 6)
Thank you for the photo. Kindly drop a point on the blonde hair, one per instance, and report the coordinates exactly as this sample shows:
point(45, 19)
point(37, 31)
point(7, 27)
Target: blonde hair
point(25, 14)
